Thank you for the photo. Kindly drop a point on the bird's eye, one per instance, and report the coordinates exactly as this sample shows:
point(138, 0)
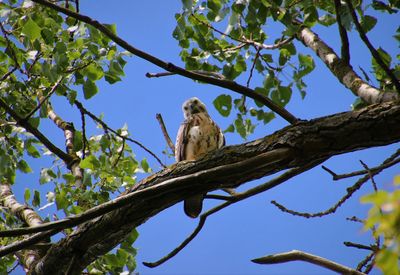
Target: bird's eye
point(195, 101)
point(185, 108)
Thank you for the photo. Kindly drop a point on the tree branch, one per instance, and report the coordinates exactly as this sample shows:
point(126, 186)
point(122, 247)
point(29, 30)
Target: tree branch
point(392, 160)
point(350, 190)
point(296, 255)
point(371, 48)
point(345, 53)
point(227, 84)
point(343, 71)
point(105, 126)
point(231, 200)
point(27, 216)
point(25, 124)
point(165, 133)
point(230, 166)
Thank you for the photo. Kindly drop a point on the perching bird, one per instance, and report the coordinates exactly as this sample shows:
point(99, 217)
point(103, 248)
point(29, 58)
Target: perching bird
point(197, 135)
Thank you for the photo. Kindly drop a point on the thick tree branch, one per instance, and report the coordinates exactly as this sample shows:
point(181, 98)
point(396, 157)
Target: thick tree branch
point(27, 216)
point(343, 71)
point(227, 84)
point(371, 48)
point(296, 255)
point(229, 166)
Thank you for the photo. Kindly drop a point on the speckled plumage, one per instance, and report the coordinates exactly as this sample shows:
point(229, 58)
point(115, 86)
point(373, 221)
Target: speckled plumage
point(197, 136)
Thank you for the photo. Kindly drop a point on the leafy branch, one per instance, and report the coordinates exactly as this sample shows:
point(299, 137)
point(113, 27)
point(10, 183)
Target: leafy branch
point(231, 85)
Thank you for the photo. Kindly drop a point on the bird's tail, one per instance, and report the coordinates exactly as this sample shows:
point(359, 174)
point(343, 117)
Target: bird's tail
point(193, 206)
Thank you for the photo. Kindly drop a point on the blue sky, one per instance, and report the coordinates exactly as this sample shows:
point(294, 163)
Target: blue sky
point(251, 228)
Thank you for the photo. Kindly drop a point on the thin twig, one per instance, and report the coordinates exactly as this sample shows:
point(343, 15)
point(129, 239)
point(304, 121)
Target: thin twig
point(34, 131)
point(360, 246)
point(165, 133)
point(371, 177)
point(233, 199)
point(227, 84)
point(350, 190)
point(368, 259)
point(345, 53)
point(245, 40)
point(371, 48)
point(7, 74)
point(106, 127)
point(44, 99)
point(296, 255)
point(253, 66)
point(363, 172)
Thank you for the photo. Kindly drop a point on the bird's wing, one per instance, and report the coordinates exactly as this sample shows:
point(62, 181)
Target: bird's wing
point(182, 140)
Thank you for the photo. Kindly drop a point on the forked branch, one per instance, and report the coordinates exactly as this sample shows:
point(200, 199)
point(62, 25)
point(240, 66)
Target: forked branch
point(296, 255)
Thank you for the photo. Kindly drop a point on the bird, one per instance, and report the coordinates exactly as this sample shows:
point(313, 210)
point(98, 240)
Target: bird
point(197, 136)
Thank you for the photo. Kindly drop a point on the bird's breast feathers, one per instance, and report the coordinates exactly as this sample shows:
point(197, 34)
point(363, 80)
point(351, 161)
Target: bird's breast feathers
point(203, 136)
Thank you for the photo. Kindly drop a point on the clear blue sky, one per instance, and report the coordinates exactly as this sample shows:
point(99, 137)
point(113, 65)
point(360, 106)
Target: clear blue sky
point(251, 228)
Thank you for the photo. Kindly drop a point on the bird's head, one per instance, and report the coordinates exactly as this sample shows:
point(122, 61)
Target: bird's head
point(193, 106)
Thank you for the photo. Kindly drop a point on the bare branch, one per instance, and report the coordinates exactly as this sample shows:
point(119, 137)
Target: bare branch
point(385, 165)
point(361, 246)
point(345, 53)
point(371, 48)
point(231, 200)
point(371, 176)
point(105, 126)
point(350, 190)
point(296, 255)
point(253, 66)
point(231, 85)
point(165, 133)
point(368, 262)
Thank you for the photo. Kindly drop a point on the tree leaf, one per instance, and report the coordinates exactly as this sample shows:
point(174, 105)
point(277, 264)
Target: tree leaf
point(31, 29)
point(23, 166)
point(368, 23)
point(89, 89)
point(27, 195)
point(223, 104)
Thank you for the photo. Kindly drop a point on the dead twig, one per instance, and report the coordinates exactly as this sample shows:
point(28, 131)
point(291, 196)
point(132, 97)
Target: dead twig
point(165, 133)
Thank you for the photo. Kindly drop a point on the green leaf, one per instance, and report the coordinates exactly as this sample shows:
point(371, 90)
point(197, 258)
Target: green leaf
point(368, 23)
point(187, 4)
point(31, 150)
point(230, 129)
point(90, 162)
point(23, 166)
point(61, 200)
point(89, 89)
point(27, 195)
point(145, 165)
point(223, 104)
point(36, 198)
point(93, 72)
point(46, 175)
point(31, 29)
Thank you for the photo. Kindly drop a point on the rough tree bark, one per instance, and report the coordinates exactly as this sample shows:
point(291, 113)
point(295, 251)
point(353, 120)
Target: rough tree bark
point(231, 166)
